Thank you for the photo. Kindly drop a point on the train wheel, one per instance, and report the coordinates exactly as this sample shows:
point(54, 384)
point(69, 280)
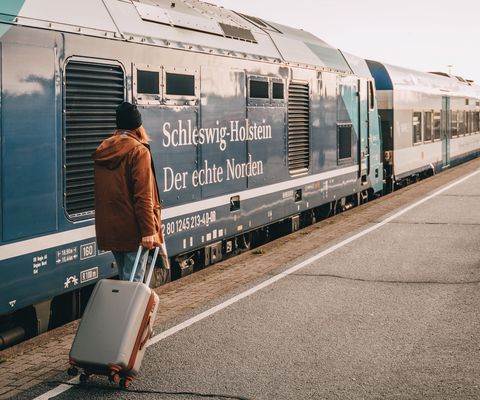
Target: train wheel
point(72, 371)
point(84, 378)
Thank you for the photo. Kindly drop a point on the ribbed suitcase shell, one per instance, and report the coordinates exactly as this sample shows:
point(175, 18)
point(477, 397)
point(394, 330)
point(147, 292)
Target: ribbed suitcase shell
point(115, 323)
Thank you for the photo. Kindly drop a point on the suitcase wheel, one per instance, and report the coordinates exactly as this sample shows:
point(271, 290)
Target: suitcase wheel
point(84, 378)
point(125, 382)
point(114, 378)
point(72, 371)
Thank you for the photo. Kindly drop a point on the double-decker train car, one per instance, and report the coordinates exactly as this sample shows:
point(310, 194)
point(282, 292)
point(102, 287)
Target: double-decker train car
point(430, 121)
point(252, 124)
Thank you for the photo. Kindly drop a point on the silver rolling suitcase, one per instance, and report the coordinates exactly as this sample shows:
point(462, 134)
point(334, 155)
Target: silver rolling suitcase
point(115, 328)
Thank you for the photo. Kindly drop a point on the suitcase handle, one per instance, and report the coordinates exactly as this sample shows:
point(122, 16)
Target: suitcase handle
point(152, 265)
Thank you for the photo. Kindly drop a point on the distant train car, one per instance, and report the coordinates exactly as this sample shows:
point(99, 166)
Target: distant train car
point(430, 121)
point(252, 124)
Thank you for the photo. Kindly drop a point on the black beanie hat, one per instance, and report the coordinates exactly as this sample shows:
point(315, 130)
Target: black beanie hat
point(128, 116)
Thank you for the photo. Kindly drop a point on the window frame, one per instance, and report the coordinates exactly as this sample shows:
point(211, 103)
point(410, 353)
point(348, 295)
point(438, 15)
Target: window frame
point(180, 99)
point(454, 124)
point(420, 123)
point(258, 101)
point(439, 130)
point(461, 121)
point(147, 98)
point(424, 121)
point(278, 101)
point(345, 160)
point(476, 122)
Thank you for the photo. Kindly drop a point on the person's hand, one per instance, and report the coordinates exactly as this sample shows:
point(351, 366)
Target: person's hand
point(148, 241)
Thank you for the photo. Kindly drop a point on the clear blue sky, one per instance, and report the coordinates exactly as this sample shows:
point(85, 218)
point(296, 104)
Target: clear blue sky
point(426, 35)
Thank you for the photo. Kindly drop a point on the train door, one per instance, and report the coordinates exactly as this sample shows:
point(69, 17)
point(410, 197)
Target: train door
point(29, 141)
point(445, 129)
point(363, 148)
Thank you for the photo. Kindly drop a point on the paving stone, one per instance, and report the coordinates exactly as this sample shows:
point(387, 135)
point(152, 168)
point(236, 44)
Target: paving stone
point(30, 384)
point(10, 394)
point(21, 381)
point(5, 388)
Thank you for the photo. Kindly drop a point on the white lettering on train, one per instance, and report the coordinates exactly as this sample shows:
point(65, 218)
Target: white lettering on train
point(186, 134)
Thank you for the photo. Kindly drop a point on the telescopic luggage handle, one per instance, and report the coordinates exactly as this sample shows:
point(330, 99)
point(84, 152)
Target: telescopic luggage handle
point(152, 265)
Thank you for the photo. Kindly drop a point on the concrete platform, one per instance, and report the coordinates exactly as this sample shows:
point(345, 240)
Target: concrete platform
point(394, 313)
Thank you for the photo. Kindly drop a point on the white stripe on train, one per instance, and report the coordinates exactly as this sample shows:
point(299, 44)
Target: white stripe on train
point(75, 235)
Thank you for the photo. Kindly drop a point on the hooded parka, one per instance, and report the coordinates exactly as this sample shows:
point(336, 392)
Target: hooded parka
point(127, 204)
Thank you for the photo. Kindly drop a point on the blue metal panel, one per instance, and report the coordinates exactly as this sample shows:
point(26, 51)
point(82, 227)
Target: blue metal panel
point(9, 9)
point(270, 152)
point(381, 76)
point(348, 109)
point(324, 121)
point(29, 141)
point(330, 56)
point(34, 277)
point(223, 107)
point(174, 159)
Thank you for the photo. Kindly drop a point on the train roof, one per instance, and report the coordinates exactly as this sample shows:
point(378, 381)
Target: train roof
point(184, 24)
point(390, 77)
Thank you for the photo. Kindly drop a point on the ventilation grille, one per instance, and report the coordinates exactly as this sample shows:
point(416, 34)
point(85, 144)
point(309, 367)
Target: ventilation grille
point(260, 23)
point(298, 128)
point(92, 93)
point(234, 32)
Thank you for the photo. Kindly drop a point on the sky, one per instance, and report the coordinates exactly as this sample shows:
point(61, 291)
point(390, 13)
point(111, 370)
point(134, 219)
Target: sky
point(426, 35)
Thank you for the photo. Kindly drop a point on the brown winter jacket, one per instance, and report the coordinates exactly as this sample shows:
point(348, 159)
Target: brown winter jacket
point(127, 206)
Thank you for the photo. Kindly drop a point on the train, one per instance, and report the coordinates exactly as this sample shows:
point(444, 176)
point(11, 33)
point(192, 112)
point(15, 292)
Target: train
point(257, 129)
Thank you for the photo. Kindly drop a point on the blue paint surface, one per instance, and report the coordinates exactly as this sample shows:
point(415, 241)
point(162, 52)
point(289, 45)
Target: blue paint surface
point(9, 9)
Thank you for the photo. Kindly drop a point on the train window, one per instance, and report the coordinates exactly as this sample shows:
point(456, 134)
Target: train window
point(344, 136)
point(476, 122)
point(148, 82)
point(454, 123)
point(467, 102)
point(461, 123)
point(180, 84)
point(469, 122)
point(371, 96)
point(258, 89)
point(427, 127)
point(278, 92)
point(436, 125)
point(417, 127)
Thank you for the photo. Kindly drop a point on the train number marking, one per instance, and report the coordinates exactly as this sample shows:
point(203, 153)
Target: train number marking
point(189, 223)
point(88, 250)
point(89, 275)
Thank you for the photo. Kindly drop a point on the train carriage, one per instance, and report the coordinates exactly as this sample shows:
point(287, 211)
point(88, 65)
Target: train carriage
point(430, 121)
point(252, 124)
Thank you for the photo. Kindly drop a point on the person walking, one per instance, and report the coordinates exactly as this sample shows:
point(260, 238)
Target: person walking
point(127, 203)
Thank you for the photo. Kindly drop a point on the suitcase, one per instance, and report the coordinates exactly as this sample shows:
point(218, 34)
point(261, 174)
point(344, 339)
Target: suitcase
point(115, 328)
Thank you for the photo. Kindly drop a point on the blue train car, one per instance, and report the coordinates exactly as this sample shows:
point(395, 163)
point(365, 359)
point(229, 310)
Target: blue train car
point(252, 124)
point(430, 121)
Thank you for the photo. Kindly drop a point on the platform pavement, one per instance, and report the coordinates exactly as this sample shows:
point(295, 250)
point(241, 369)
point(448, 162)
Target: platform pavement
point(44, 358)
